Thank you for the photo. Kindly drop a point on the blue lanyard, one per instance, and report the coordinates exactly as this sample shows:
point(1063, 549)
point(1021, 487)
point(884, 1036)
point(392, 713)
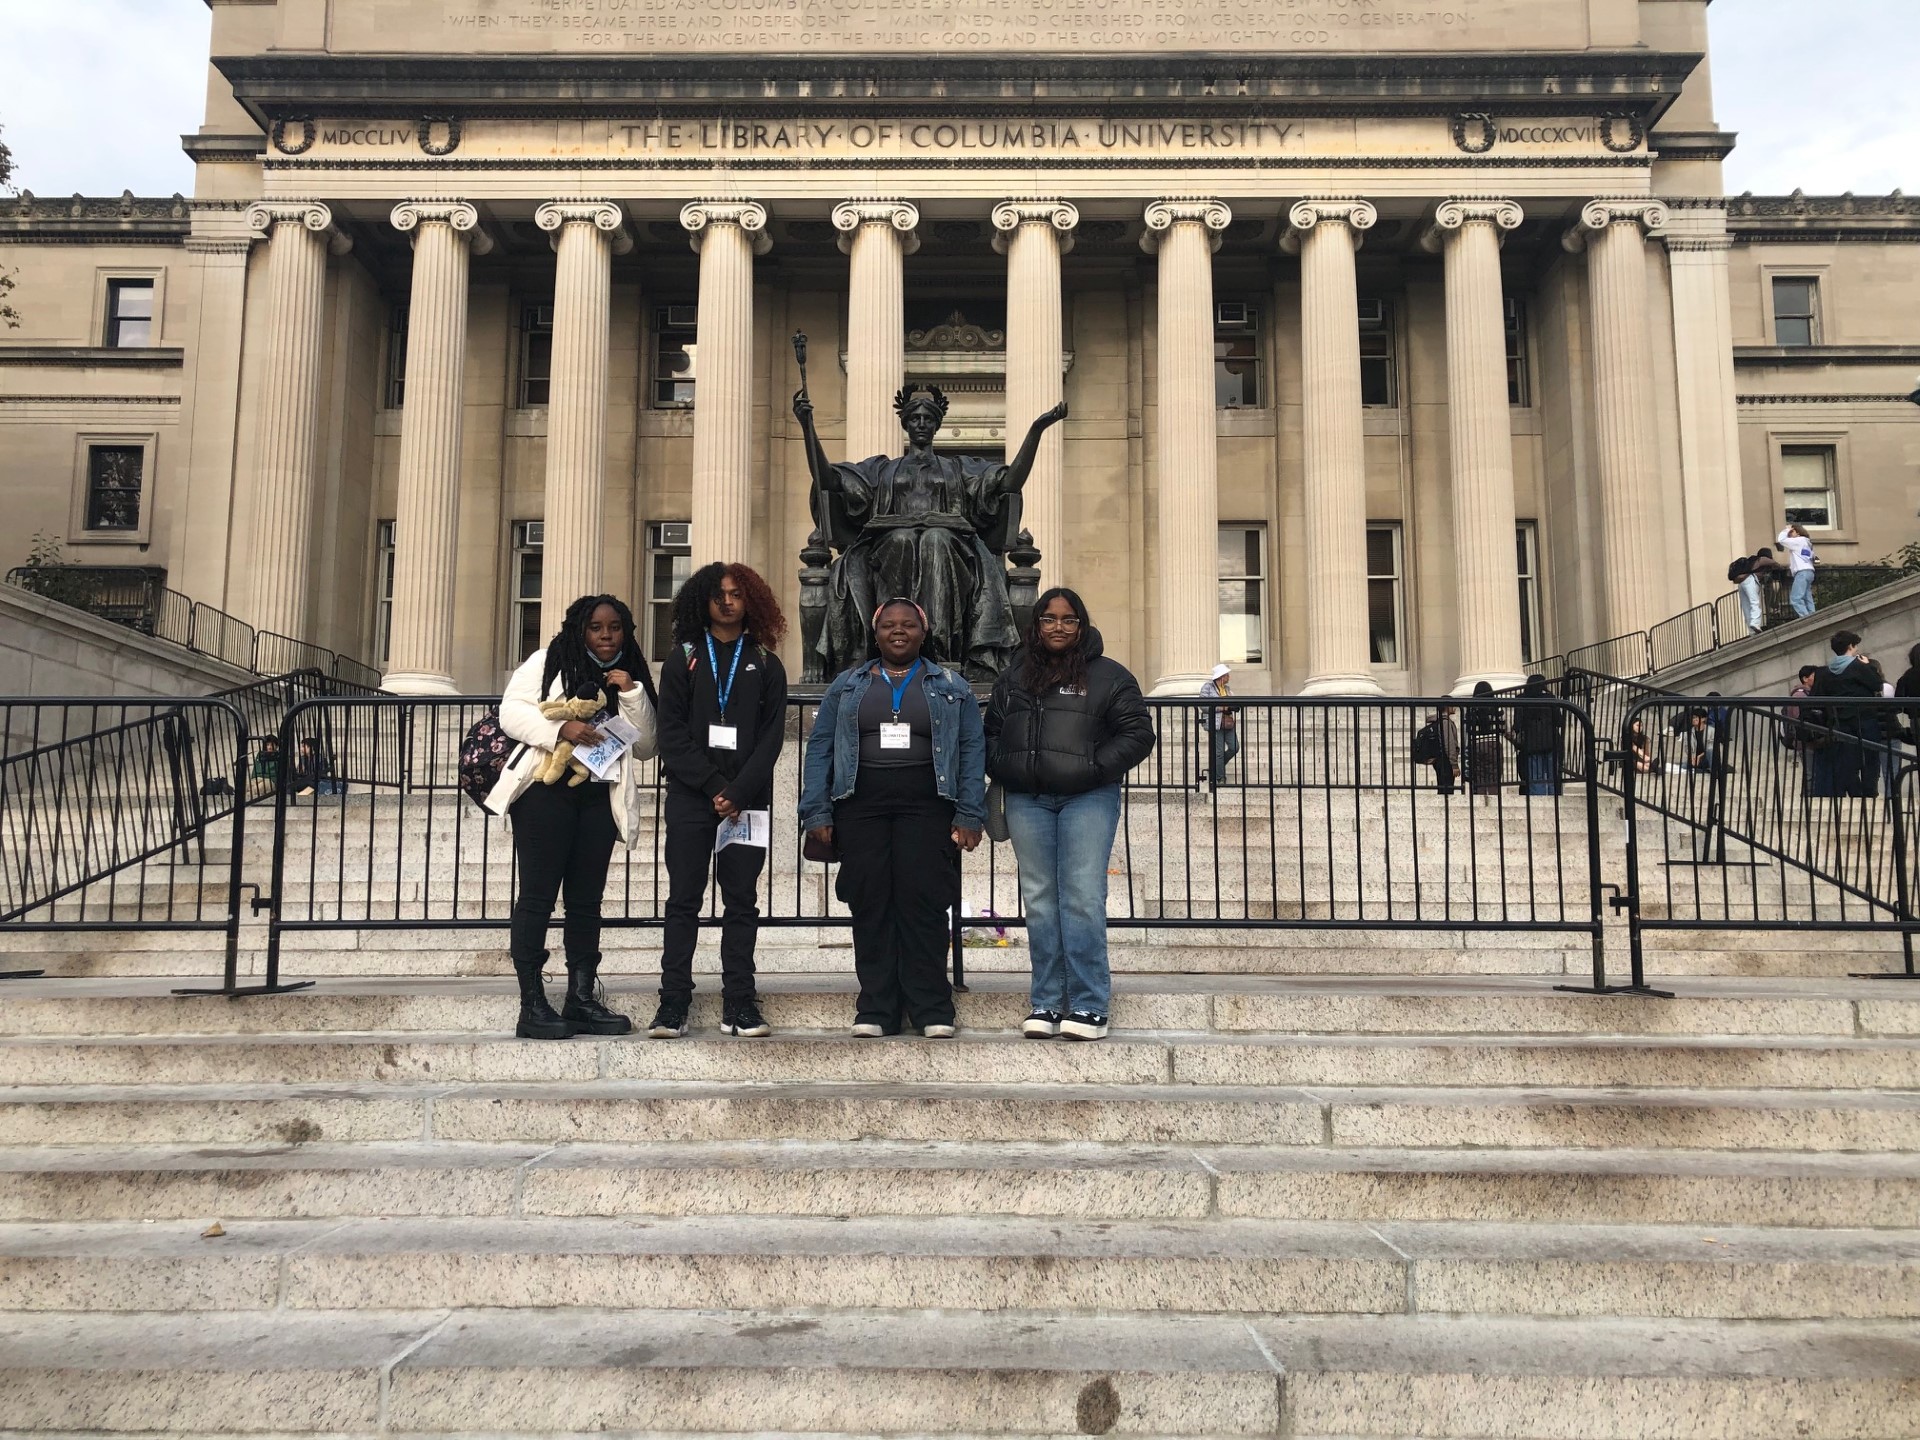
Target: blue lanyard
point(724, 693)
point(900, 690)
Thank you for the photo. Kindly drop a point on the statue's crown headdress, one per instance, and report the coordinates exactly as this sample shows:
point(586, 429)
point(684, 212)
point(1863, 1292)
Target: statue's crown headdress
point(911, 395)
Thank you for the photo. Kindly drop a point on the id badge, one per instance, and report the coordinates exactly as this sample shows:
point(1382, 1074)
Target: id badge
point(723, 737)
point(896, 737)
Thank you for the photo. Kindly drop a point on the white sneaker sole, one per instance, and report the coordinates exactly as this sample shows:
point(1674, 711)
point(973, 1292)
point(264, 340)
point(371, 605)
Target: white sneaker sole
point(662, 1032)
point(1075, 1030)
point(749, 1032)
point(868, 1032)
point(938, 1032)
point(1038, 1029)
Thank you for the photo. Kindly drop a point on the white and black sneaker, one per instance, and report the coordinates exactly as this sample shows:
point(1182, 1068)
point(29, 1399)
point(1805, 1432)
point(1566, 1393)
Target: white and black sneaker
point(742, 1017)
point(937, 1032)
point(669, 1021)
point(867, 1030)
point(1041, 1025)
point(1083, 1025)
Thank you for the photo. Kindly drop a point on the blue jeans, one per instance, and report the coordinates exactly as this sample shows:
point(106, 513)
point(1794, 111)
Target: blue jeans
point(1802, 593)
point(1750, 605)
point(1542, 774)
point(1063, 843)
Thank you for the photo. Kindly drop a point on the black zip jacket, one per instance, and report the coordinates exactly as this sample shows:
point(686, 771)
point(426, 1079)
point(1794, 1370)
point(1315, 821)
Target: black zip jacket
point(1061, 744)
point(690, 702)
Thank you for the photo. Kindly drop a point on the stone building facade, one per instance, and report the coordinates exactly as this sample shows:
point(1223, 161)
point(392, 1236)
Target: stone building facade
point(1403, 346)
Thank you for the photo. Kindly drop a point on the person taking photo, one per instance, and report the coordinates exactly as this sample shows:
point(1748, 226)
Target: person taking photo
point(895, 783)
point(723, 701)
point(1064, 726)
point(563, 835)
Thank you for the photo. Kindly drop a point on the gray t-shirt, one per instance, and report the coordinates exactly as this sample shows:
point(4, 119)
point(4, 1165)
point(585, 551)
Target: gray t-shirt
point(877, 710)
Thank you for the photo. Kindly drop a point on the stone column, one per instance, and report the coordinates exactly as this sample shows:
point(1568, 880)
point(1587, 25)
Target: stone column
point(446, 233)
point(1697, 253)
point(1325, 234)
point(876, 235)
point(1480, 440)
point(1186, 460)
point(1632, 582)
point(1033, 235)
point(586, 236)
point(727, 234)
point(300, 235)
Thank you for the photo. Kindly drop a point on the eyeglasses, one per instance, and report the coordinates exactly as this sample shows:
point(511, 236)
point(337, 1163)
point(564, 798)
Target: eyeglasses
point(1059, 622)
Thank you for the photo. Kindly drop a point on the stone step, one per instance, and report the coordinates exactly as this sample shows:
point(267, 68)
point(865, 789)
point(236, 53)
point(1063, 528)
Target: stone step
point(1357, 1005)
point(881, 1372)
point(630, 1111)
point(1211, 1266)
point(1141, 1058)
point(1070, 1179)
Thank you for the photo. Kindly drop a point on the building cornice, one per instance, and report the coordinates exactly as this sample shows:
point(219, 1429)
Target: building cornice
point(81, 219)
point(1874, 219)
point(1802, 355)
point(148, 357)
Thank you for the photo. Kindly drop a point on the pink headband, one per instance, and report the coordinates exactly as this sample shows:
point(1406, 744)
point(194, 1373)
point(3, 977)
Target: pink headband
point(874, 624)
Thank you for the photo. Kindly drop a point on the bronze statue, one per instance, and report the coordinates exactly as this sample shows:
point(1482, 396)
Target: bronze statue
point(933, 527)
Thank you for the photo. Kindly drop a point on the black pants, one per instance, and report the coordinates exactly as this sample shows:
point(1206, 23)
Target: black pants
point(899, 874)
point(689, 857)
point(563, 839)
point(1443, 775)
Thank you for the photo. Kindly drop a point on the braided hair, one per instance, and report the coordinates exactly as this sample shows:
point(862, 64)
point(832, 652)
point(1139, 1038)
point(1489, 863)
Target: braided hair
point(568, 657)
point(764, 621)
point(1043, 670)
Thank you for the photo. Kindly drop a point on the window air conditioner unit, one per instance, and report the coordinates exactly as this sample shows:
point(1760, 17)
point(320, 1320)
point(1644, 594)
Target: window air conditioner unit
point(674, 535)
point(536, 533)
point(1231, 312)
point(682, 317)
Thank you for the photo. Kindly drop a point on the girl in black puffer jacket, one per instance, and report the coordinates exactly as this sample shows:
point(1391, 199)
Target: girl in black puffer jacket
point(1064, 726)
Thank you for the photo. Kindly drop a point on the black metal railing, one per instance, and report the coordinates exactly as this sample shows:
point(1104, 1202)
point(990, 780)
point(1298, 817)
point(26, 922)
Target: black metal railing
point(1320, 821)
point(1769, 814)
point(109, 811)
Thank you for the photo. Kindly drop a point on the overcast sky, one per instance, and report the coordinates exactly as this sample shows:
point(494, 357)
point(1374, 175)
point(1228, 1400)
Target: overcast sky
point(94, 94)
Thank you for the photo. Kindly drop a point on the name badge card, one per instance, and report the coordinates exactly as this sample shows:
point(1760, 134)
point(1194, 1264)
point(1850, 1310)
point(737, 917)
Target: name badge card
point(896, 737)
point(723, 737)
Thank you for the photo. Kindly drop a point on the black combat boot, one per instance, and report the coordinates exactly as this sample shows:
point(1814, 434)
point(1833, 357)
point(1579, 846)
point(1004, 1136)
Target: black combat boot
point(584, 1010)
point(538, 1019)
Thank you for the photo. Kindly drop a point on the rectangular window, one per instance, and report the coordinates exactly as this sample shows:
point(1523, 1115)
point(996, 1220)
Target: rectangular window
point(114, 476)
point(1385, 608)
point(382, 590)
point(1796, 303)
point(536, 355)
point(1378, 379)
point(1527, 563)
point(675, 356)
point(129, 313)
point(397, 357)
point(1236, 356)
point(669, 563)
point(524, 637)
point(1243, 594)
point(1519, 390)
point(1806, 473)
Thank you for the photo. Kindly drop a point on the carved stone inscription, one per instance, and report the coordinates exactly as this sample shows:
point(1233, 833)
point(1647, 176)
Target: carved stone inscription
point(950, 26)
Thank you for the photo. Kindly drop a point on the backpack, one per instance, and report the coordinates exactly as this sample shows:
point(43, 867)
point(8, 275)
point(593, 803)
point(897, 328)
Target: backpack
point(1427, 748)
point(1740, 569)
point(484, 753)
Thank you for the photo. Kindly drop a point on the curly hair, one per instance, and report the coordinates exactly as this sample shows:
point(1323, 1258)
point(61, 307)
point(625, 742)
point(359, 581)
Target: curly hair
point(1043, 670)
point(765, 622)
point(567, 653)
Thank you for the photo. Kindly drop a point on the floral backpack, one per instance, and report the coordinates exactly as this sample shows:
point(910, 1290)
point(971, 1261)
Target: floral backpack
point(484, 753)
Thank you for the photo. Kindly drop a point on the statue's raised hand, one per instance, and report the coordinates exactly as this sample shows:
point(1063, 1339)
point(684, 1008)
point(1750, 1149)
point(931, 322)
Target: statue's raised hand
point(1053, 416)
point(802, 406)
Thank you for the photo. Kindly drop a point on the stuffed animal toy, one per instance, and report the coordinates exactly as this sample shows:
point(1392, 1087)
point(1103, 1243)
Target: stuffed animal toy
point(561, 760)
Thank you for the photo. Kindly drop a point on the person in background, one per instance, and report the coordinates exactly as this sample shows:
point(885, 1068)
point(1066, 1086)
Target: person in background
point(264, 778)
point(895, 780)
point(1064, 726)
point(1539, 734)
point(1485, 757)
point(1744, 580)
point(1223, 724)
point(723, 721)
point(1849, 763)
point(1446, 765)
point(1768, 576)
point(312, 772)
point(1800, 562)
point(563, 835)
point(1640, 747)
point(1796, 733)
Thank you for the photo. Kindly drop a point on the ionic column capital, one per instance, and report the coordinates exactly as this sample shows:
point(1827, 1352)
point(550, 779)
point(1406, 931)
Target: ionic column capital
point(604, 215)
point(749, 216)
point(850, 215)
point(1357, 215)
point(266, 216)
point(1010, 215)
point(1597, 216)
point(1163, 215)
point(1453, 216)
point(456, 215)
